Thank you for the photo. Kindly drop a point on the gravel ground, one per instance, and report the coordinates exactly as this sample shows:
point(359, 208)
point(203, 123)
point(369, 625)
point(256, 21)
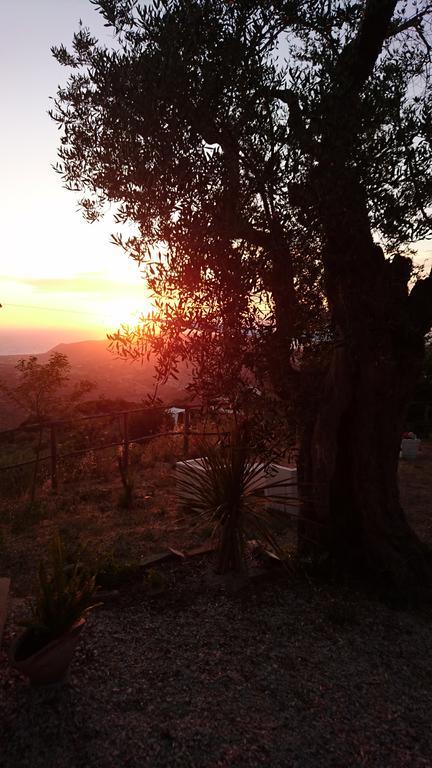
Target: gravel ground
point(287, 675)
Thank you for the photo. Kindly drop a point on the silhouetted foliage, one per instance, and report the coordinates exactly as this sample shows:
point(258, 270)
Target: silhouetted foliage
point(275, 201)
point(41, 391)
point(41, 388)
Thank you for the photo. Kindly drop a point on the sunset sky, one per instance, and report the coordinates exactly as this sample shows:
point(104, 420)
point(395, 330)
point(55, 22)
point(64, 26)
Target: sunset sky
point(61, 280)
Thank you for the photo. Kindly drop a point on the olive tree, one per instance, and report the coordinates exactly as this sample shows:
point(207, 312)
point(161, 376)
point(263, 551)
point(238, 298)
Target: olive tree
point(274, 159)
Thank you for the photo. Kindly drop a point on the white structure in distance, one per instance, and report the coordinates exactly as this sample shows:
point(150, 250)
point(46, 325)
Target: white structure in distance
point(175, 413)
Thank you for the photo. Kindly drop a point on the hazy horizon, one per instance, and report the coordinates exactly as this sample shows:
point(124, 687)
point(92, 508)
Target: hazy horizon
point(40, 340)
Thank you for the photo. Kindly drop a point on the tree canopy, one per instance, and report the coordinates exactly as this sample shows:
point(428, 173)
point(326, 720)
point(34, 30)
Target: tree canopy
point(274, 159)
point(204, 125)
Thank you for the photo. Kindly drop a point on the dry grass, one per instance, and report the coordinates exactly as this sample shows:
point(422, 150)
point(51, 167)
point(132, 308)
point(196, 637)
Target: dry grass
point(87, 511)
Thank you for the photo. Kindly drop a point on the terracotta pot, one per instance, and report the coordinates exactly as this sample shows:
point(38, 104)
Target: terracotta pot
point(51, 663)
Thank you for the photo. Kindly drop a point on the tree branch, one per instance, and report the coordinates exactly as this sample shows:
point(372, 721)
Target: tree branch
point(412, 22)
point(246, 231)
point(359, 56)
point(296, 122)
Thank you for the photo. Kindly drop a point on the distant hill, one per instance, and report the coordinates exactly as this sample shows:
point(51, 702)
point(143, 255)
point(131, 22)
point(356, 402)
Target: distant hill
point(114, 378)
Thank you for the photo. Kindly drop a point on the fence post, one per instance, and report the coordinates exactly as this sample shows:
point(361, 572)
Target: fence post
point(125, 456)
point(186, 433)
point(54, 479)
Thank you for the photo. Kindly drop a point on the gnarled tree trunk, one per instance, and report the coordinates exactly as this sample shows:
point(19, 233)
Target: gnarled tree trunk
point(349, 470)
point(349, 458)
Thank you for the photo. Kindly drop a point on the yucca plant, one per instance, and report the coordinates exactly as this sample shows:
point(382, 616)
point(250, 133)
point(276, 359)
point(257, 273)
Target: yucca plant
point(64, 595)
point(226, 491)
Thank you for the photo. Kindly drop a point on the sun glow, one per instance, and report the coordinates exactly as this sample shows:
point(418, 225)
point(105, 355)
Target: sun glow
point(120, 311)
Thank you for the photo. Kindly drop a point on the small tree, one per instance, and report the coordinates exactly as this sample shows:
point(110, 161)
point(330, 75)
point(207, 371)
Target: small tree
point(40, 392)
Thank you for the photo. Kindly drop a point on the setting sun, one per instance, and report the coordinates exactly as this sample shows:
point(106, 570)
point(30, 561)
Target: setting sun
point(120, 311)
point(70, 308)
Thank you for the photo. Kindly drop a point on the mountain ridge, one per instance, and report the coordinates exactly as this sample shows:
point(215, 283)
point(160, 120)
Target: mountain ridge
point(114, 377)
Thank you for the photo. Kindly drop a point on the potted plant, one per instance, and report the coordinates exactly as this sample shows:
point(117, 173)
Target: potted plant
point(64, 596)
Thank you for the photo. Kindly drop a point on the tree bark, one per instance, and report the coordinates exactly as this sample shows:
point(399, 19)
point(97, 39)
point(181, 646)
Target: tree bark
point(350, 479)
point(349, 458)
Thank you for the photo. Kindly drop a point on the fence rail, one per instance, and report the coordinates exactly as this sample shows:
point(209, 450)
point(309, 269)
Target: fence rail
point(54, 456)
point(58, 422)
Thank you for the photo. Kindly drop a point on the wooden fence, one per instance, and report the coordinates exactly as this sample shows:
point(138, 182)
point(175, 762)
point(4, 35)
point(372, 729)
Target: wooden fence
point(54, 456)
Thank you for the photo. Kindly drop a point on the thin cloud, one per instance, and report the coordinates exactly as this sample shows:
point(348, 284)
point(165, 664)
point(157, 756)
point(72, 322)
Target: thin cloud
point(89, 282)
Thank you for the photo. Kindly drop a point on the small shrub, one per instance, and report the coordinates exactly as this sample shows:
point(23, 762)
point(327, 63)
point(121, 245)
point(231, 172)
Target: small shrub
point(149, 422)
point(227, 495)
